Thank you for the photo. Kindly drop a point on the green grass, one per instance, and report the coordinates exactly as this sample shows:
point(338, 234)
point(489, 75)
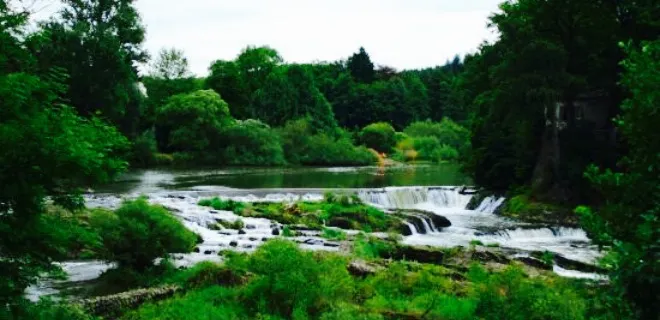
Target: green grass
point(341, 211)
point(333, 234)
point(286, 282)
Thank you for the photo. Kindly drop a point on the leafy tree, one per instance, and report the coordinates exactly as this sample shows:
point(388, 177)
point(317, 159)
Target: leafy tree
point(46, 150)
point(251, 142)
point(361, 67)
point(98, 44)
point(379, 136)
point(171, 63)
point(629, 219)
point(194, 120)
point(290, 93)
point(226, 79)
point(137, 233)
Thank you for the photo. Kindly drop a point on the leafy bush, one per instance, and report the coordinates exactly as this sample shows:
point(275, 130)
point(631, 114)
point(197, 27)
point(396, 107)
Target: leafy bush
point(290, 281)
point(252, 142)
point(379, 136)
point(137, 233)
point(226, 205)
point(447, 132)
point(333, 234)
point(144, 150)
point(45, 309)
point(511, 295)
point(303, 145)
point(372, 248)
point(194, 120)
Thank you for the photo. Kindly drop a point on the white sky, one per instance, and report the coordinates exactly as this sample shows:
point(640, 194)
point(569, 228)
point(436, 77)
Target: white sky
point(403, 34)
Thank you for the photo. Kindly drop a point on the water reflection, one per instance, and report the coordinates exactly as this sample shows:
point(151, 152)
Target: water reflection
point(147, 181)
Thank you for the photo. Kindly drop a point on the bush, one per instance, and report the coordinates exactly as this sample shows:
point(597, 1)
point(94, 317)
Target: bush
point(447, 132)
point(379, 136)
point(137, 233)
point(303, 145)
point(144, 150)
point(252, 142)
point(511, 295)
point(194, 121)
point(290, 281)
point(45, 309)
point(226, 205)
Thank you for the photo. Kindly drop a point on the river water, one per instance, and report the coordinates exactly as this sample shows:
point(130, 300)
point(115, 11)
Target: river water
point(437, 189)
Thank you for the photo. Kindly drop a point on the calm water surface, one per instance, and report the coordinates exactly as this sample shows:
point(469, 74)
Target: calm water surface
point(146, 181)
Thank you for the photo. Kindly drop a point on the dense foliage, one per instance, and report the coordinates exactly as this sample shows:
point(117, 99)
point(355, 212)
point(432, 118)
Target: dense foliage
point(629, 220)
point(378, 136)
point(46, 150)
point(288, 283)
point(137, 233)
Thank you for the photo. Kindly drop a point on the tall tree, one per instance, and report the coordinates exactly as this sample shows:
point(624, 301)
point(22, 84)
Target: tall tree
point(629, 220)
point(361, 67)
point(46, 150)
point(171, 63)
point(290, 93)
point(98, 43)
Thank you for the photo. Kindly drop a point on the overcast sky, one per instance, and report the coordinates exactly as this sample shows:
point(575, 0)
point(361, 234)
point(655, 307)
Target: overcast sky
point(403, 34)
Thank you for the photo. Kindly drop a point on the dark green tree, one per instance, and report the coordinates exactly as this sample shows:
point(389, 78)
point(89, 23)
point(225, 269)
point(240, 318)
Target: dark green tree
point(46, 150)
point(629, 219)
point(98, 43)
point(290, 93)
point(361, 67)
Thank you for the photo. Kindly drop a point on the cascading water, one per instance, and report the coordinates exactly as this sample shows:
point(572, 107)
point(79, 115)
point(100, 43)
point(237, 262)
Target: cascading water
point(411, 197)
point(490, 204)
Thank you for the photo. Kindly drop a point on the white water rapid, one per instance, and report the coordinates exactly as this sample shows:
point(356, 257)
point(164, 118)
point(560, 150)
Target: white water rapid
point(450, 202)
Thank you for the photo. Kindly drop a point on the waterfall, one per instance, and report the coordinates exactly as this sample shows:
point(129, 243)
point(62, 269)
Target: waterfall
point(525, 235)
point(410, 197)
point(413, 230)
point(490, 204)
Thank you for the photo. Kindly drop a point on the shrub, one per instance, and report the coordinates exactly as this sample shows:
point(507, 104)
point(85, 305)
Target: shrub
point(303, 145)
point(447, 132)
point(137, 233)
point(45, 309)
point(511, 295)
point(252, 142)
point(290, 281)
point(379, 136)
point(226, 205)
point(427, 148)
point(333, 234)
point(144, 150)
point(194, 121)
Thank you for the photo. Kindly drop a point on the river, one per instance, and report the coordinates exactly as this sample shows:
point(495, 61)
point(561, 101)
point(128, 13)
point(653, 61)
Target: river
point(432, 188)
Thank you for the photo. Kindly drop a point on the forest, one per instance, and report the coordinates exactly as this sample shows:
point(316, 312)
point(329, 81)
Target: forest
point(559, 113)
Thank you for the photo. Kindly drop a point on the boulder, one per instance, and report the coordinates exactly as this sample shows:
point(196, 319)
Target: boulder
point(208, 252)
point(275, 232)
point(361, 268)
point(242, 231)
point(233, 243)
point(250, 226)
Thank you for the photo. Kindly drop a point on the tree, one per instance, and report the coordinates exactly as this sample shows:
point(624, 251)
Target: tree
point(378, 136)
point(226, 79)
point(194, 121)
point(290, 93)
point(46, 150)
point(629, 220)
point(98, 43)
point(171, 63)
point(239, 80)
point(361, 67)
point(137, 233)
